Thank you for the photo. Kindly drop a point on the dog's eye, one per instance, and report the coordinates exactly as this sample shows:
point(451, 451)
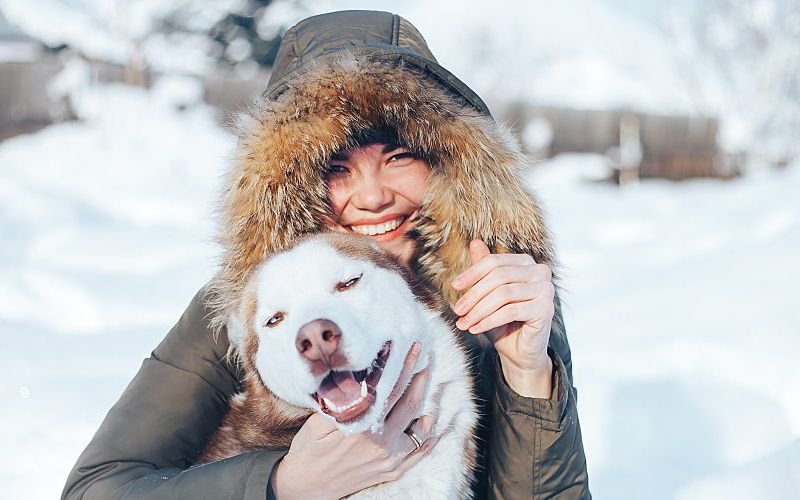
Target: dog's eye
point(344, 285)
point(274, 320)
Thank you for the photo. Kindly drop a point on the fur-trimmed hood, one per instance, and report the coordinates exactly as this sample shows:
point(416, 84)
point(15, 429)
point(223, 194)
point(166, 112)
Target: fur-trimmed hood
point(322, 96)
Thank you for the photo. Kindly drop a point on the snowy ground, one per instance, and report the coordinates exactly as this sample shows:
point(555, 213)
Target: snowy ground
point(683, 318)
point(679, 306)
point(106, 228)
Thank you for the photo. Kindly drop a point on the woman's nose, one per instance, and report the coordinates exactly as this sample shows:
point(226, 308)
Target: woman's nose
point(373, 194)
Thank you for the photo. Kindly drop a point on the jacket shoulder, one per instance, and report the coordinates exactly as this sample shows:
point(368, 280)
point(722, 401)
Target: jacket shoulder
point(193, 346)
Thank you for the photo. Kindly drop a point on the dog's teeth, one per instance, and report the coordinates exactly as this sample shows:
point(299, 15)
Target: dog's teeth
point(339, 409)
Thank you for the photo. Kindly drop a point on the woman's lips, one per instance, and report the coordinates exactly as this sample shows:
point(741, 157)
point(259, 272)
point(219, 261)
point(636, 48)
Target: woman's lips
point(379, 220)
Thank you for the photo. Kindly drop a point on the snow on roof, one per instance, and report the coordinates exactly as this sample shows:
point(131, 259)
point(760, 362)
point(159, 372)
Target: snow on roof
point(10, 32)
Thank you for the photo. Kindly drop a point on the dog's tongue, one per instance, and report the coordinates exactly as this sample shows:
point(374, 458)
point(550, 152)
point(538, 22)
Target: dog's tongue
point(341, 388)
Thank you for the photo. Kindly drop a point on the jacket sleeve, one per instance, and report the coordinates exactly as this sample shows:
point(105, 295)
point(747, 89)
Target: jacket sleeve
point(534, 445)
point(146, 444)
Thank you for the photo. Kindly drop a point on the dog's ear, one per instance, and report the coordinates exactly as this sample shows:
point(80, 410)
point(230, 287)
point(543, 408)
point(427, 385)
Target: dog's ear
point(236, 328)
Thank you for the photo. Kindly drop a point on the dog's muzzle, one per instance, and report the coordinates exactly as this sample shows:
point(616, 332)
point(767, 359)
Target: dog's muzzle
point(345, 394)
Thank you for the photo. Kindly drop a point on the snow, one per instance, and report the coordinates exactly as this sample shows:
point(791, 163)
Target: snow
point(107, 227)
point(537, 135)
point(728, 60)
point(122, 31)
point(682, 315)
point(122, 194)
point(679, 298)
point(573, 53)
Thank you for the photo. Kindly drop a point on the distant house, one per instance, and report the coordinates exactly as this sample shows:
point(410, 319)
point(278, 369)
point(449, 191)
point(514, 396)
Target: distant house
point(23, 79)
point(637, 144)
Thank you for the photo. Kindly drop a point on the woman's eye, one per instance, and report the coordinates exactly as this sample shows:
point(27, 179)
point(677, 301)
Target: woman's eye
point(275, 319)
point(336, 170)
point(401, 156)
point(344, 285)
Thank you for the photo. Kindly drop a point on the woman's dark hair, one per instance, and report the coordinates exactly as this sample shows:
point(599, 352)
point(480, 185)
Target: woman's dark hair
point(378, 134)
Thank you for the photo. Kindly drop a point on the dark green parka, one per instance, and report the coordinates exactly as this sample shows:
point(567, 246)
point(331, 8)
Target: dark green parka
point(336, 77)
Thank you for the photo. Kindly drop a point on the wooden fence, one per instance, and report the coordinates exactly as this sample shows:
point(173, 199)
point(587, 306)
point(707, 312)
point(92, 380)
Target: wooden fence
point(674, 147)
point(25, 104)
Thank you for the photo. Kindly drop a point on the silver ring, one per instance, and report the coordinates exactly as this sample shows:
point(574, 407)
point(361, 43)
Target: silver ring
point(415, 438)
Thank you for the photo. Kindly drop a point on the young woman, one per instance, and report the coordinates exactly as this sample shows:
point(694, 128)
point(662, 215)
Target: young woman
point(360, 130)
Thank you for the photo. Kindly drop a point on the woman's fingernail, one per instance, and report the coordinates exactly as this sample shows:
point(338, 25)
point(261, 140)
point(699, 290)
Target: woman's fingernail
point(416, 347)
point(457, 282)
point(431, 443)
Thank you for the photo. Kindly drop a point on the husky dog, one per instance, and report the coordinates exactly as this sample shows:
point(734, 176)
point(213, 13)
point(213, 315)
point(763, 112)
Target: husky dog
point(325, 326)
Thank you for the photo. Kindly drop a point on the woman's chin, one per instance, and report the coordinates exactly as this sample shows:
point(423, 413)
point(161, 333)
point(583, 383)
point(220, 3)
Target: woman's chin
point(402, 249)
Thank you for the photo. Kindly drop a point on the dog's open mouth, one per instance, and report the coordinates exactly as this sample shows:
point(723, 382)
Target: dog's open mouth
point(345, 395)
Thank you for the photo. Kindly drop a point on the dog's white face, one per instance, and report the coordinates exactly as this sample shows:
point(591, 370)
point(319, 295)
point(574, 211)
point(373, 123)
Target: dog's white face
point(333, 328)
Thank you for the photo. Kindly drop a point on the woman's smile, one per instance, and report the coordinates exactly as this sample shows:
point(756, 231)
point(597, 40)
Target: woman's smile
point(387, 228)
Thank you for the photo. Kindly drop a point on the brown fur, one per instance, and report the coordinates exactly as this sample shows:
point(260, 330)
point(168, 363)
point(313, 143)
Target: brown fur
point(243, 427)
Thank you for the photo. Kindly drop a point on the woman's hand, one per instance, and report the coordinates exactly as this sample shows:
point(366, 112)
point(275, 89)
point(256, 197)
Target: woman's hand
point(324, 463)
point(510, 296)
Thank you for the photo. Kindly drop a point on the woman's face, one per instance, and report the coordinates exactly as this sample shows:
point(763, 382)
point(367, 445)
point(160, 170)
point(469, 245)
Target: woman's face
point(375, 190)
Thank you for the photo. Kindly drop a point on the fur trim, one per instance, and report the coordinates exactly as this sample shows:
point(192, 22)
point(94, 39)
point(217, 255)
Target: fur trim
point(275, 190)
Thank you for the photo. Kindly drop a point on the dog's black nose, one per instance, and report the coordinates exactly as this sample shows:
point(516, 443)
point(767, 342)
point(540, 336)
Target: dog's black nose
point(318, 340)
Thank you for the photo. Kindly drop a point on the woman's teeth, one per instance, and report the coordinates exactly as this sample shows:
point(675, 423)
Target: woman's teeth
point(384, 227)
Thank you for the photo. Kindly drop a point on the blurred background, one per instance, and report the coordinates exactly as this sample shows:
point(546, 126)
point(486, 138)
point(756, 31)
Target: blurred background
point(664, 136)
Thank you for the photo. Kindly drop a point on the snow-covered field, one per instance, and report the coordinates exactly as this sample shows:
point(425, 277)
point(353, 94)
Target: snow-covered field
point(106, 235)
point(680, 300)
point(683, 316)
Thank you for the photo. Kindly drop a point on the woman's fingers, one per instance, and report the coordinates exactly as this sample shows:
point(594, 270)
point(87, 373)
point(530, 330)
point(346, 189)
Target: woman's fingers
point(406, 408)
point(423, 427)
point(518, 311)
point(408, 368)
point(498, 276)
point(411, 459)
point(503, 295)
point(411, 454)
point(317, 428)
point(506, 314)
point(480, 269)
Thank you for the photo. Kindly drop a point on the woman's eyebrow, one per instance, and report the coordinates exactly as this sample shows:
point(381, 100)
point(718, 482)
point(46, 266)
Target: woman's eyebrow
point(340, 156)
point(391, 147)
point(343, 156)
